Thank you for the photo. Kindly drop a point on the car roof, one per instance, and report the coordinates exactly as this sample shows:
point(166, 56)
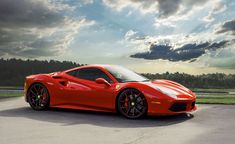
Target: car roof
point(99, 65)
point(92, 66)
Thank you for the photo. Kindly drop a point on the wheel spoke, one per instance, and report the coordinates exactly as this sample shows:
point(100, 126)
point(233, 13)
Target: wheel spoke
point(38, 89)
point(131, 92)
point(137, 96)
point(139, 106)
point(138, 109)
point(128, 110)
point(42, 91)
point(133, 111)
point(32, 92)
point(40, 102)
point(33, 101)
point(140, 103)
point(34, 88)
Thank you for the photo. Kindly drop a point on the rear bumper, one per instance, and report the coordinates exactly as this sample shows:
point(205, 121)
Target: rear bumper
point(167, 107)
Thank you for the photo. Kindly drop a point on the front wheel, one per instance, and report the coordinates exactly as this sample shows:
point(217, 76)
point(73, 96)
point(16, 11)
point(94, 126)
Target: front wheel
point(132, 104)
point(38, 97)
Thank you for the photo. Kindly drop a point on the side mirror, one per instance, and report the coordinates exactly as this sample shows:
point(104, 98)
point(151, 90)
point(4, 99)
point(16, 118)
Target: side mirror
point(102, 81)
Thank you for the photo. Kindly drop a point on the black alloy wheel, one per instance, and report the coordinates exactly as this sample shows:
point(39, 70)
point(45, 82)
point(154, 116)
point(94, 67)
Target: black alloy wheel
point(38, 97)
point(132, 104)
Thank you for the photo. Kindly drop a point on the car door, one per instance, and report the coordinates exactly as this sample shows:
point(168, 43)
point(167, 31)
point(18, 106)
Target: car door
point(85, 92)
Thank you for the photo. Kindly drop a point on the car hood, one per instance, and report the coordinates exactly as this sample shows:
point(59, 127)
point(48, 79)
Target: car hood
point(171, 88)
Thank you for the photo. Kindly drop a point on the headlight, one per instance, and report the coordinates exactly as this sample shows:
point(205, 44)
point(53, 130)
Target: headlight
point(166, 91)
point(171, 95)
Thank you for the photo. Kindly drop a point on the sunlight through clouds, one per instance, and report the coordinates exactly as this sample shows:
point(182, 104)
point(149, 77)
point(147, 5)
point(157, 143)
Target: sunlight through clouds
point(182, 35)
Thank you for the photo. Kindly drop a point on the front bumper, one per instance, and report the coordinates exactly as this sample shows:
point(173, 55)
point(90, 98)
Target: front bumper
point(171, 107)
point(182, 106)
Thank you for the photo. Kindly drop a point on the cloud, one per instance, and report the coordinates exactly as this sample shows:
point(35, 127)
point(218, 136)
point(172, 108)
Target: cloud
point(28, 13)
point(132, 35)
point(227, 27)
point(143, 6)
point(88, 1)
point(167, 8)
point(223, 58)
point(186, 52)
point(37, 28)
point(217, 8)
point(167, 11)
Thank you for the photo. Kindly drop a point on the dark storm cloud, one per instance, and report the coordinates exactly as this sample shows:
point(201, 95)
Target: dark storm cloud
point(227, 27)
point(28, 13)
point(184, 53)
point(168, 7)
point(28, 28)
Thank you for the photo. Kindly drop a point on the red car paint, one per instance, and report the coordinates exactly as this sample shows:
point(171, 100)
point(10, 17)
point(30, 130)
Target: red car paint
point(67, 91)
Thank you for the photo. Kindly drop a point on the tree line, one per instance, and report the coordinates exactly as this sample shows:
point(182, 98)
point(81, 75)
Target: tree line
point(213, 80)
point(13, 72)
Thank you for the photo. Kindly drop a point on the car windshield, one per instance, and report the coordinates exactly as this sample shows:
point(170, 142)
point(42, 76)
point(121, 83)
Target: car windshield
point(125, 75)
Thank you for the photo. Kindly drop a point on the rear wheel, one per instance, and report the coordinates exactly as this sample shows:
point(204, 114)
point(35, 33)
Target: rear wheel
point(132, 104)
point(38, 97)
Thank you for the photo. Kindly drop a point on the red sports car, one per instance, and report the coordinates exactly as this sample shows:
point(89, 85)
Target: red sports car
point(109, 89)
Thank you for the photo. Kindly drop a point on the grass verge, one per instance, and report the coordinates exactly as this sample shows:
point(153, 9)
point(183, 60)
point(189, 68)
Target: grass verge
point(214, 101)
point(215, 96)
point(11, 94)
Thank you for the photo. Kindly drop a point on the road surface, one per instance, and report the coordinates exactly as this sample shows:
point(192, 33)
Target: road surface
point(19, 124)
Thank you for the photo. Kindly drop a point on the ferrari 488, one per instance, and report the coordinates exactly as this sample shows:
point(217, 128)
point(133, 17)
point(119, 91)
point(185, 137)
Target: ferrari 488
point(108, 88)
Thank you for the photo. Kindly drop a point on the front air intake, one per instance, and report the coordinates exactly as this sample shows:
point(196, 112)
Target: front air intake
point(178, 106)
point(193, 105)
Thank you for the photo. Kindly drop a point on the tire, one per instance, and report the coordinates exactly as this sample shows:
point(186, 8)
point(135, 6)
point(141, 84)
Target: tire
point(132, 104)
point(38, 97)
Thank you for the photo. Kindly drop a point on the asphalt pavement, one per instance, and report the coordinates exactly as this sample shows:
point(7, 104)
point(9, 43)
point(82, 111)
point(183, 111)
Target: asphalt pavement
point(19, 124)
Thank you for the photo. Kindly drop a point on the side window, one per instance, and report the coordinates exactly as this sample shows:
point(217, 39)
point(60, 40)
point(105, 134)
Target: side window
point(72, 73)
point(92, 74)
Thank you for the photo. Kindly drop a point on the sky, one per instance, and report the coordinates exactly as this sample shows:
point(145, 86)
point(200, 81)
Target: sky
point(151, 36)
